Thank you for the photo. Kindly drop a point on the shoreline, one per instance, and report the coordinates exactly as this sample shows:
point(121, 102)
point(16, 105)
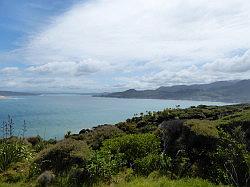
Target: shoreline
point(169, 99)
point(2, 97)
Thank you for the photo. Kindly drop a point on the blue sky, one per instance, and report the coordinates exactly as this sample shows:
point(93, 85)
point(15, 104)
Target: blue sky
point(19, 18)
point(110, 45)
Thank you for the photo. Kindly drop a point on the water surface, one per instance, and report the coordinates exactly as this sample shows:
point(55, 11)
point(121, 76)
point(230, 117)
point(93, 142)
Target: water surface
point(53, 115)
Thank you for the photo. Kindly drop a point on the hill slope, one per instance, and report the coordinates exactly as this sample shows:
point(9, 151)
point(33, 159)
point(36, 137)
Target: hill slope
point(10, 93)
point(224, 91)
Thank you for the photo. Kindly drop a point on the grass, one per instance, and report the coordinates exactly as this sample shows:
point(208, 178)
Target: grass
point(164, 182)
point(240, 117)
point(203, 127)
point(144, 182)
point(30, 184)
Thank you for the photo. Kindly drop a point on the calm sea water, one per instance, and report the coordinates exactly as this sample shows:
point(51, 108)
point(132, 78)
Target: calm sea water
point(53, 115)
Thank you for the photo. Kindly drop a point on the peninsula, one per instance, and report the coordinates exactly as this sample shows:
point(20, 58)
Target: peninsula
point(233, 91)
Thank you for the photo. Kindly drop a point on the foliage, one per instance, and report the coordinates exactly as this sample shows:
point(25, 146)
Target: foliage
point(102, 166)
point(132, 147)
point(165, 147)
point(165, 182)
point(62, 156)
point(37, 143)
point(77, 177)
point(230, 166)
point(97, 135)
point(203, 127)
point(13, 151)
point(152, 162)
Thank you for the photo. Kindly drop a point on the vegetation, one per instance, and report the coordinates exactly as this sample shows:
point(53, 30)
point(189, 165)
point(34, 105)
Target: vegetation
point(165, 182)
point(222, 91)
point(197, 146)
point(146, 182)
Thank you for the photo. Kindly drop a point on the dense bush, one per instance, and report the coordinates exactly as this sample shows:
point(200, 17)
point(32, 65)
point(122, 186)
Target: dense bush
point(115, 155)
point(34, 140)
point(97, 135)
point(228, 163)
point(133, 147)
point(17, 172)
point(37, 143)
point(63, 155)
point(203, 127)
point(206, 142)
point(12, 151)
point(77, 177)
point(103, 165)
point(150, 163)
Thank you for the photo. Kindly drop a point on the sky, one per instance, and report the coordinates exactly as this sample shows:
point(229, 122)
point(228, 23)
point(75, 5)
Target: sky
point(114, 45)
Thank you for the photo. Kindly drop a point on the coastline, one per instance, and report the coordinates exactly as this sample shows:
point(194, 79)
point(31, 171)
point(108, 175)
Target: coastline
point(2, 97)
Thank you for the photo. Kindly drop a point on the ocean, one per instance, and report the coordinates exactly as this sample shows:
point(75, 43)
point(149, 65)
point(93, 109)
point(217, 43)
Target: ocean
point(51, 116)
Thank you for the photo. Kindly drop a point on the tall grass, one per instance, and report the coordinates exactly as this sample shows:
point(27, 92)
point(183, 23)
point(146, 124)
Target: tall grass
point(18, 185)
point(164, 182)
point(12, 151)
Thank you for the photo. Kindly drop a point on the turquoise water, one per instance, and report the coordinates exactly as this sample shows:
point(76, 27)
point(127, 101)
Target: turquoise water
point(53, 115)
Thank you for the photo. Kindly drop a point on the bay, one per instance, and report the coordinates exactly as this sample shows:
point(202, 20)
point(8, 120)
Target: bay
point(53, 115)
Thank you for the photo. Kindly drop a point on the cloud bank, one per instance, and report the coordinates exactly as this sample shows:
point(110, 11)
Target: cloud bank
point(104, 45)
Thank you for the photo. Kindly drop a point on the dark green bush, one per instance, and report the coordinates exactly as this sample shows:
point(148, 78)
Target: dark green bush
point(97, 135)
point(103, 165)
point(148, 164)
point(77, 177)
point(17, 172)
point(13, 151)
point(63, 155)
point(34, 140)
point(228, 163)
point(128, 127)
point(133, 146)
point(206, 142)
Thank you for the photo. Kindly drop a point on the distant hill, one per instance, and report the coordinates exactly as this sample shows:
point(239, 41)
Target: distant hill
point(10, 93)
point(224, 91)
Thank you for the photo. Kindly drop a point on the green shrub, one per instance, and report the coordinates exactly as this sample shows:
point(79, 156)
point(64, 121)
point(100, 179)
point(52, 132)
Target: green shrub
point(98, 168)
point(13, 151)
point(77, 177)
point(132, 147)
point(34, 140)
point(97, 135)
point(128, 127)
point(62, 156)
point(148, 164)
point(203, 127)
point(154, 175)
point(17, 172)
point(125, 175)
point(103, 165)
point(229, 162)
point(115, 155)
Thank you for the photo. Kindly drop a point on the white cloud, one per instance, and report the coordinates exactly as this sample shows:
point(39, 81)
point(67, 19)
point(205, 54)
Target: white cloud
point(236, 64)
point(69, 68)
point(9, 70)
point(141, 43)
point(143, 30)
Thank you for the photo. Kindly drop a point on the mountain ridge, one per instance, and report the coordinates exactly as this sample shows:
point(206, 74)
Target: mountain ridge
point(235, 91)
point(11, 93)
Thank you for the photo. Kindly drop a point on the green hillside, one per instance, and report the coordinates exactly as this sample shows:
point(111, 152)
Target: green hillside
point(197, 146)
